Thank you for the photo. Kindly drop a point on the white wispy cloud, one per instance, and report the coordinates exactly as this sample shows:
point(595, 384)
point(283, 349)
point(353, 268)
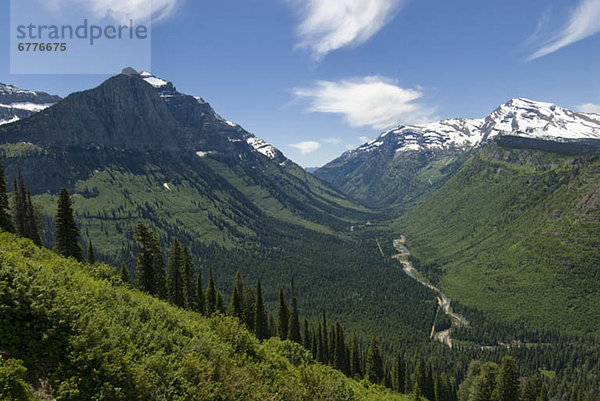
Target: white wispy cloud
point(583, 22)
point(589, 108)
point(363, 139)
point(370, 101)
point(328, 25)
point(332, 140)
point(121, 10)
point(306, 147)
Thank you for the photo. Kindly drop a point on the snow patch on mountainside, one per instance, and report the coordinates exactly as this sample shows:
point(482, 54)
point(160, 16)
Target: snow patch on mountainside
point(10, 120)
point(262, 147)
point(27, 106)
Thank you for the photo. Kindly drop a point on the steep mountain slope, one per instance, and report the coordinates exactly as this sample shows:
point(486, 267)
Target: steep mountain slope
point(516, 233)
point(135, 150)
point(406, 163)
point(16, 103)
point(82, 334)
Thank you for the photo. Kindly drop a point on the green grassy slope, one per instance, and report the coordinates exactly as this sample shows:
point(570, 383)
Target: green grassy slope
point(516, 233)
point(83, 336)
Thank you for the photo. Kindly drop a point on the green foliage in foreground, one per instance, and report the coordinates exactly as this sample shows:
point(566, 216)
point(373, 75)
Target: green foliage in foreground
point(78, 327)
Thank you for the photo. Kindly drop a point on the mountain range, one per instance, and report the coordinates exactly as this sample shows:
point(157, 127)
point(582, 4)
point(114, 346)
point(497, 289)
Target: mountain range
point(405, 163)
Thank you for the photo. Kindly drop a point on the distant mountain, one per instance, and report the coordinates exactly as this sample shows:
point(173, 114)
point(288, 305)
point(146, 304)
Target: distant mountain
point(404, 163)
point(311, 169)
point(16, 103)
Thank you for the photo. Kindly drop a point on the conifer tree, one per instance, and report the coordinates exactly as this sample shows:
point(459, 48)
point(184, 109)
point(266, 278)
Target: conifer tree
point(220, 304)
point(416, 392)
point(507, 381)
point(483, 385)
point(283, 315)
point(307, 336)
point(531, 389)
point(236, 306)
point(32, 222)
point(325, 339)
point(294, 323)
point(320, 345)
point(211, 295)
point(374, 363)
point(200, 302)
point(91, 257)
point(67, 232)
point(6, 222)
point(174, 275)
point(124, 274)
point(19, 207)
point(149, 268)
point(260, 316)
point(272, 326)
point(355, 366)
point(399, 374)
point(189, 282)
point(249, 308)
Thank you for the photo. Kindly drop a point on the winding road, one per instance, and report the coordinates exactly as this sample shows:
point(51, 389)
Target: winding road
point(445, 304)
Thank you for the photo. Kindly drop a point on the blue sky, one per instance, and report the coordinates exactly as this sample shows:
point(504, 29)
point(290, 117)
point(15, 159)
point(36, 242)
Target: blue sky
point(315, 77)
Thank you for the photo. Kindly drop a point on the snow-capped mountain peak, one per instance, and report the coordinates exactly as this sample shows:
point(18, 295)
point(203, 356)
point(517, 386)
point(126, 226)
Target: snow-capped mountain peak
point(518, 117)
point(539, 120)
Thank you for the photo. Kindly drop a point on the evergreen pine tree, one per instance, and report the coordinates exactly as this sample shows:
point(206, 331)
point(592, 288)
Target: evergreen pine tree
point(283, 315)
point(19, 207)
point(200, 302)
point(325, 340)
point(484, 384)
point(320, 345)
point(249, 308)
point(260, 316)
point(124, 274)
point(307, 336)
point(91, 257)
point(374, 363)
point(399, 374)
point(220, 304)
point(149, 268)
point(531, 389)
point(236, 306)
point(355, 368)
point(6, 222)
point(294, 323)
point(507, 381)
point(416, 392)
point(211, 295)
point(33, 224)
point(272, 326)
point(189, 282)
point(67, 233)
point(174, 275)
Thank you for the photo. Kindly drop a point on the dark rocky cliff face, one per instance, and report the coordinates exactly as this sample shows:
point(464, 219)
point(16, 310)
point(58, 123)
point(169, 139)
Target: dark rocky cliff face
point(125, 121)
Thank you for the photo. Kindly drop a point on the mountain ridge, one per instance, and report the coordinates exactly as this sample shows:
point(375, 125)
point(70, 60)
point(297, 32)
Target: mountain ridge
point(422, 156)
